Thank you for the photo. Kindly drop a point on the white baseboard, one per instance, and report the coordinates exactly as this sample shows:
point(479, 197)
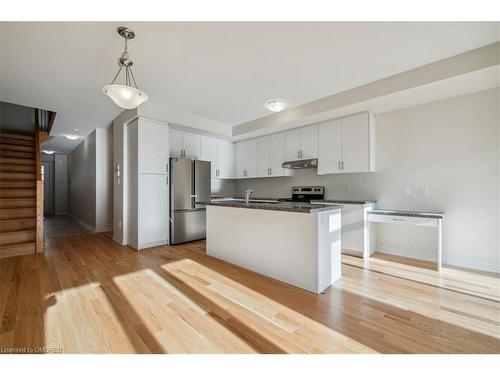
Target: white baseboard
point(153, 244)
point(119, 240)
point(83, 223)
point(452, 261)
point(104, 229)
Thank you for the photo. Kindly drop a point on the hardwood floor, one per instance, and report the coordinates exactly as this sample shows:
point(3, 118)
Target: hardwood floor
point(87, 294)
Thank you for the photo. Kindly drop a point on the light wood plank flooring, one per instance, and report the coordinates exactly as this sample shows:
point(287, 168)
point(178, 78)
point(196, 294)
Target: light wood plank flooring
point(87, 294)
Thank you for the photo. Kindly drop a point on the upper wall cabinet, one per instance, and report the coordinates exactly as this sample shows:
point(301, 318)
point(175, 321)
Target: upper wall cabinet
point(220, 154)
point(301, 143)
point(347, 145)
point(185, 145)
point(153, 156)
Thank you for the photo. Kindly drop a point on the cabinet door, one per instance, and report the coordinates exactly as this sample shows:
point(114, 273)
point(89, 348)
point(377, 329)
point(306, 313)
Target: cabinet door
point(239, 159)
point(263, 156)
point(225, 158)
point(309, 142)
point(153, 145)
point(277, 151)
point(192, 146)
point(209, 153)
point(153, 209)
point(292, 144)
point(175, 144)
point(330, 147)
point(356, 143)
point(251, 158)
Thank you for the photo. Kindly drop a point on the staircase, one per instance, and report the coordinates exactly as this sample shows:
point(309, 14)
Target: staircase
point(18, 195)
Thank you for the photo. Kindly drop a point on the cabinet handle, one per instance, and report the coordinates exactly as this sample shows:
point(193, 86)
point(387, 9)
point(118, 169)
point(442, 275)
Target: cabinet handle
point(338, 165)
point(270, 171)
point(298, 154)
point(301, 154)
point(342, 165)
point(167, 180)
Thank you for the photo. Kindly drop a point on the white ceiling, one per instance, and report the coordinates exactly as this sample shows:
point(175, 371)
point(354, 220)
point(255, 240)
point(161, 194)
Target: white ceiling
point(223, 72)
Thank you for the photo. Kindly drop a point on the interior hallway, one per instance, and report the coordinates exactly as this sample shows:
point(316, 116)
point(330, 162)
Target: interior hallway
point(88, 294)
point(62, 226)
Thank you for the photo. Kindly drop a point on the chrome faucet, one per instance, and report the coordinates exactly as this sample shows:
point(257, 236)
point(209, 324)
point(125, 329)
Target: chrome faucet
point(247, 195)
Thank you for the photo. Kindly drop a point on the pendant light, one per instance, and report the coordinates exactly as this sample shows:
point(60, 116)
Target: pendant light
point(125, 96)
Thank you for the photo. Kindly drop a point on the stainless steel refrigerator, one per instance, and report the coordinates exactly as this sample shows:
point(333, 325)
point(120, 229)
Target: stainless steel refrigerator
point(190, 182)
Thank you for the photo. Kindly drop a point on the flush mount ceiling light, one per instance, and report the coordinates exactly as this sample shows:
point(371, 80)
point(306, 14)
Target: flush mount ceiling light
point(48, 152)
point(125, 96)
point(71, 137)
point(276, 105)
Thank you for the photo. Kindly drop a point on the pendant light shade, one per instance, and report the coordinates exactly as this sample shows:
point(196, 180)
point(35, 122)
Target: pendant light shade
point(126, 96)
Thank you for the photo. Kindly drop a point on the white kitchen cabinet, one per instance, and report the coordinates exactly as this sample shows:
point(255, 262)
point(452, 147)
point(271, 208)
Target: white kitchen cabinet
point(347, 145)
point(176, 148)
point(153, 209)
point(225, 159)
point(192, 146)
point(209, 153)
point(330, 147)
point(309, 142)
point(251, 158)
point(154, 154)
point(277, 155)
point(185, 145)
point(147, 183)
point(292, 145)
point(263, 156)
point(301, 143)
point(239, 159)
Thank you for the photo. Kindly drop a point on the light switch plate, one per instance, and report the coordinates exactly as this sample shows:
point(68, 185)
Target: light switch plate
point(407, 191)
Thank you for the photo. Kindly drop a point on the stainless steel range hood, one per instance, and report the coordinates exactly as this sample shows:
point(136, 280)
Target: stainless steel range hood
point(300, 164)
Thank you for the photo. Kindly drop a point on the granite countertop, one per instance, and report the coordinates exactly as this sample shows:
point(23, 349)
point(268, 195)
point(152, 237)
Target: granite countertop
point(306, 208)
point(343, 201)
point(430, 215)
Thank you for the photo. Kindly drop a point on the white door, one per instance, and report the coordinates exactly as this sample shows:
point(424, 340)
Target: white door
point(175, 142)
point(239, 159)
point(263, 156)
point(277, 155)
point(251, 158)
point(192, 146)
point(153, 209)
point(153, 147)
point(330, 147)
point(48, 187)
point(309, 142)
point(355, 144)
point(292, 144)
point(225, 158)
point(209, 153)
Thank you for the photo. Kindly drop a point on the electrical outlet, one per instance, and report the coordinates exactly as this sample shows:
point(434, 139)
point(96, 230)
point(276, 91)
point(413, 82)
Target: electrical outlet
point(119, 223)
point(348, 186)
point(407, 191)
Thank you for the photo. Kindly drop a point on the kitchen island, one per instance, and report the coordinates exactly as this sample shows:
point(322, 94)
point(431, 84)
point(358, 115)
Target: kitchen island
point(297, 243)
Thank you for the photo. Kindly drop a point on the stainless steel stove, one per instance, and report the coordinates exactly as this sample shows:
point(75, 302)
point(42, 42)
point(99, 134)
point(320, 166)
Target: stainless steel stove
point(306, 194)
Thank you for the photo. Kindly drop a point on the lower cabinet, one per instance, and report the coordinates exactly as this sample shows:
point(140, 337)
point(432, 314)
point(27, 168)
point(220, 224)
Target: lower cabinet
point(153, 210)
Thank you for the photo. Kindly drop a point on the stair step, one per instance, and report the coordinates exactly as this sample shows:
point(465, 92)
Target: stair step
point(17, 184)
point(17, 249)
point(16, 168)
point(5, 176)
point(17, 147)
point(17, 136)
point(17, 154)
point(17, 161)
point(17, 237)
point(15, 225)
point(17, 202)
point(17, 213)
point(18, 142)
point(17, 193)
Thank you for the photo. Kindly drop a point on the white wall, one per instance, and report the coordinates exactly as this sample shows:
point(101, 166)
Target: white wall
point(451, 148)
point(82, 181)
point(90, 181)
point(61, 184)
point(104, 180)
